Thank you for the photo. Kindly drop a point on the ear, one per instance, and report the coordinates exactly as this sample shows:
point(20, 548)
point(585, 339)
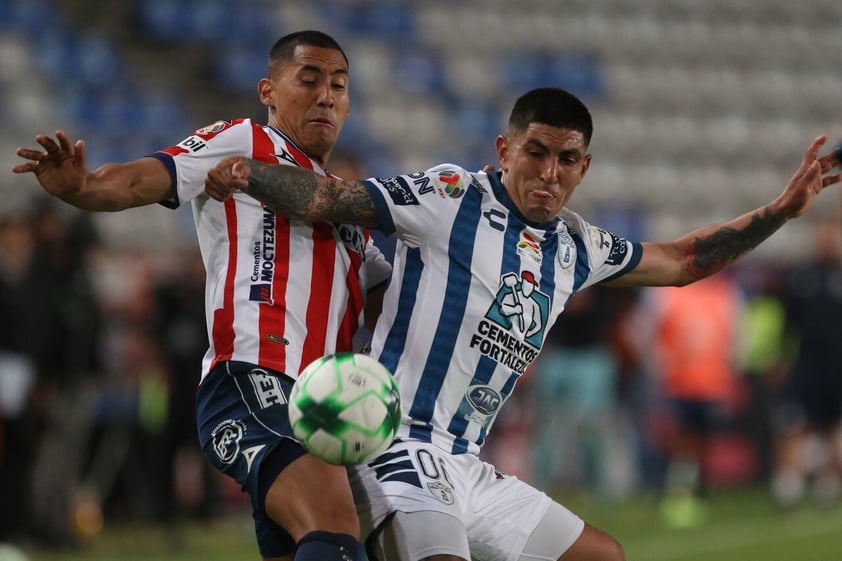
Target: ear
point(502, 144)
point(586, 164)
point(264, 91)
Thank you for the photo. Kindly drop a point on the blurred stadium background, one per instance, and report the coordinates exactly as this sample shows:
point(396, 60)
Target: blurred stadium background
point(702, 111)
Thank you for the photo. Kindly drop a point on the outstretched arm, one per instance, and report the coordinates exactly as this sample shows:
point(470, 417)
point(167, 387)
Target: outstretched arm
point(62, 170)
point(710, 249)
point(293, 192)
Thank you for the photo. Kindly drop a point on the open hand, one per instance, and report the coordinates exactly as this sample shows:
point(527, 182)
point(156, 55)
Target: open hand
point(61, 166)
point(809, 180)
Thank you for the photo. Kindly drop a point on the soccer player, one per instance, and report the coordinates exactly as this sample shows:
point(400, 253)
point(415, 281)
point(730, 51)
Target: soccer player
point(808, 406)
point(472, 247)
point(280, 293)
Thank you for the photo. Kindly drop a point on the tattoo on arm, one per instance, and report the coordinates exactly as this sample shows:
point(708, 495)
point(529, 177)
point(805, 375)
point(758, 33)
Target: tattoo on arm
point(706, 256)
point(302, 194)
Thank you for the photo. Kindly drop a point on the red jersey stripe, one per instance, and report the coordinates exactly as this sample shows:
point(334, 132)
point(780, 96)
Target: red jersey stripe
point(223, 318)
point(299, 156)
point(349, 325)
point(321, 282)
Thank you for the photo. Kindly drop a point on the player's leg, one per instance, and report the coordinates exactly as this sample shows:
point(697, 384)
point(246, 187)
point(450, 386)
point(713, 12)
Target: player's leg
point(302, 507)
point(417, 536)
point(591, 545)
point(312, 501)
point(511, 519)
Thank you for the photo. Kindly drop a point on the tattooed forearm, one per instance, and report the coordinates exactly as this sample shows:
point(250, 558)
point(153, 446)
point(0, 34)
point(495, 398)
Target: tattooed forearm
point(302, 194)
point(285, 189)
point(708, 255)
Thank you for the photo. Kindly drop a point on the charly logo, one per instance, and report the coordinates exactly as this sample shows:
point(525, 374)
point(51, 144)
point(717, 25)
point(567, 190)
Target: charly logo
point(226, 440)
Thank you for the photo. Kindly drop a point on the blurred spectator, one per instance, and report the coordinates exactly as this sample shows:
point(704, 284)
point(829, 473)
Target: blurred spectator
point(48, 345)
point(20, 298)
point(809, 411)
point(764, 355)
point(575, 384)
point(692, 340)
point(67, 363)
point(179, 323)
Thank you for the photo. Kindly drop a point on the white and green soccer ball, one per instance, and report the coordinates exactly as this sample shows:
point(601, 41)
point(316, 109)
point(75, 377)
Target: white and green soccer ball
point(345, 408)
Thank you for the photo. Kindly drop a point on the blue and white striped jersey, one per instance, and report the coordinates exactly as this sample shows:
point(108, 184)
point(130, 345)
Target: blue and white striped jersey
point(474, 290)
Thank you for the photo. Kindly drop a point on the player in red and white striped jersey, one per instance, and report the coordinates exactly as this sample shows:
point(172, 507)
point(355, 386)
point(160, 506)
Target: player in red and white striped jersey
point(280, 292)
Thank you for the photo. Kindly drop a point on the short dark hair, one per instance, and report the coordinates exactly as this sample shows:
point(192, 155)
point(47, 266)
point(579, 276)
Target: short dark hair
point(555, 107)
point(284, 48)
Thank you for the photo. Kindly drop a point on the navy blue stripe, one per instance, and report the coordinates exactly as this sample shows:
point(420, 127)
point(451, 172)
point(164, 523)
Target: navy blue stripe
point(549, 250)
point(406, 477)
point(460, 446)
point(424, 433)
point(505, 392)
point(389, 456)
point(460, 255)
point(458, 424)
point(385, 469)
point(168, 162)
point(486, 366)
point(484, 371)
point(511, 260)
point(583, 267)
point(637, 254)
point(396, 340)
point(384, 218)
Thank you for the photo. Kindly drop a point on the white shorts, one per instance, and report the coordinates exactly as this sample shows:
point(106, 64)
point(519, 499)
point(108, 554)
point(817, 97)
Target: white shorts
point(481, 513)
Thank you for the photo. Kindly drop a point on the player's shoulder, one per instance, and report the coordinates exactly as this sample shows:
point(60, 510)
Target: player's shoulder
point(572, 219)
point(574, 223)
point(217, 127)
point(455, 179)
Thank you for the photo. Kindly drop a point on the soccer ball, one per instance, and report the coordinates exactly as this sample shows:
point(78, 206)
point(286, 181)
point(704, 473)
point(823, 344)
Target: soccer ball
point(345, 408)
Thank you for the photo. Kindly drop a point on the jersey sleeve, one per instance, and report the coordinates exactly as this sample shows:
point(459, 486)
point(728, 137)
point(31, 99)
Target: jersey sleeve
point(377, 267)
point(189, 161)
point(609, 256)
point(408, 204)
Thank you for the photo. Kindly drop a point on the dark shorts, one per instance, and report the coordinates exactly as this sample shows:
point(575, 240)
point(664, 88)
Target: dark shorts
point(699, 417)
point(817, 395)
point(244, 430)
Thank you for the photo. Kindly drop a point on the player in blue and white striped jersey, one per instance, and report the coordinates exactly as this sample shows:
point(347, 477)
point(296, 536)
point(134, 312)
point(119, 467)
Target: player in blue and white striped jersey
point(484, 265)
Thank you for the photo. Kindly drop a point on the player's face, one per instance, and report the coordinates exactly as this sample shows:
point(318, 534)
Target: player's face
point(308, 99)
point(541, 168)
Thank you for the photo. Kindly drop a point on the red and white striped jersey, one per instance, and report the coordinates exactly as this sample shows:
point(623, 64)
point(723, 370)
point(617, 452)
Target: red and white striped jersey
point(279, 293)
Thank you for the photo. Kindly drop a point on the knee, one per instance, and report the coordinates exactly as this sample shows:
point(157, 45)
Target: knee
point(594, 545)
point(613, 550)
